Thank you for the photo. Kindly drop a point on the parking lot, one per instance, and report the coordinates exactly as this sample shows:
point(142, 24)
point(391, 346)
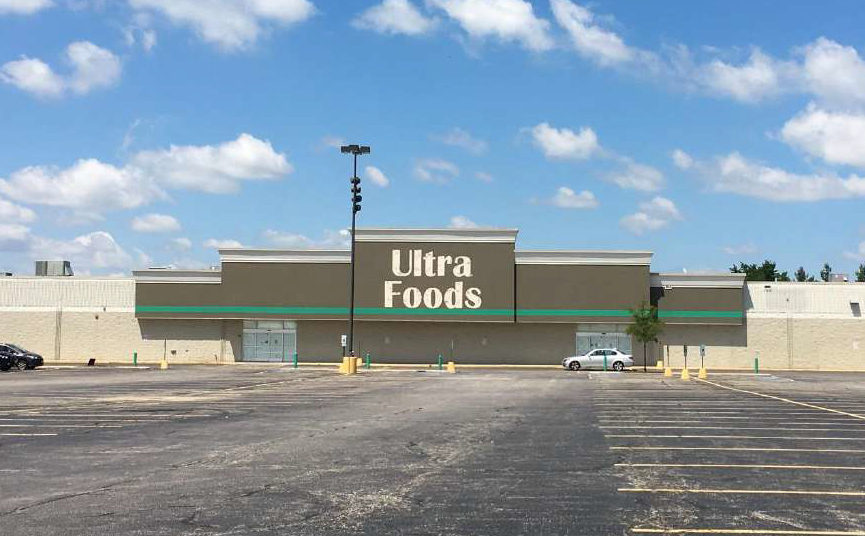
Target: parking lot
point(262, 450)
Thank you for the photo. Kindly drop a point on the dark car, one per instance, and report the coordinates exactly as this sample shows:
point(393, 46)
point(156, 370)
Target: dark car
point(21, 358)
point(5, 362)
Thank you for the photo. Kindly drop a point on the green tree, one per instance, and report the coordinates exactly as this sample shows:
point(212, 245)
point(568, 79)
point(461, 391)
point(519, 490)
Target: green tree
point(826, 272)
point(801, 275)
point(646, 327)
point(760, 272)
point(860, 273)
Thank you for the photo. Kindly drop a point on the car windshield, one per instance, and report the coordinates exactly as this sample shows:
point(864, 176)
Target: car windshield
point(16, 348)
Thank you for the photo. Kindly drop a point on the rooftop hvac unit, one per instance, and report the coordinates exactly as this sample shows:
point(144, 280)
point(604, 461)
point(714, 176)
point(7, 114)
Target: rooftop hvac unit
point(54, 268)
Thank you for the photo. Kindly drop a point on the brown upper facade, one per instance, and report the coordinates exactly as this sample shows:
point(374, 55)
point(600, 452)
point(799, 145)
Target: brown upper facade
point(466, 275)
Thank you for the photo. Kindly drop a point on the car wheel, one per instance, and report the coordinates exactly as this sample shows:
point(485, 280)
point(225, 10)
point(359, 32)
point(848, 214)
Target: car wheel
point(574, 365)
point(21, 364)
point(618, 366)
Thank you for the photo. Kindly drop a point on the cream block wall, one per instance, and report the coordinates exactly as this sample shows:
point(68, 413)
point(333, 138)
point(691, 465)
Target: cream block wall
point(112, 337)
point(782, 343)
point(34, 331)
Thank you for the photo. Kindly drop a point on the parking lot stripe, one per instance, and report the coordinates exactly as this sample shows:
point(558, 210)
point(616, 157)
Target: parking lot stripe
point(696, 436)
point(782, 399)
point(749, 531)
point(743, 466)
point(12, 434)
point(745, 491)
point(826, 420)
point(722, 428)
point(752, 449)
point(60, 426)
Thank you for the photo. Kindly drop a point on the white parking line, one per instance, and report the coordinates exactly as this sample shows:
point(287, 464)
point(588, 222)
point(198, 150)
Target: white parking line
point(745, 491)
point(786, 429)
point(735, 449)
point(792, 438)
point(742, 466)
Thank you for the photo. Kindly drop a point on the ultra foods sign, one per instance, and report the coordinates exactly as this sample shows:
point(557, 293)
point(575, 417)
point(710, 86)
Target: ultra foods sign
point(415, 264)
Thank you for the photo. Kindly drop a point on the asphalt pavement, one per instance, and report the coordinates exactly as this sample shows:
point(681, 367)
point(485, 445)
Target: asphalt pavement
point(261, 450)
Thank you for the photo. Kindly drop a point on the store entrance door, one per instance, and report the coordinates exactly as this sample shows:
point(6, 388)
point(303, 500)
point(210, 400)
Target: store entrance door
point(269, 340)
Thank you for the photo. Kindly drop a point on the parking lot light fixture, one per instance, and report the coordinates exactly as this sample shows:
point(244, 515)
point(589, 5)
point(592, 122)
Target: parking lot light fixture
point(356, 198)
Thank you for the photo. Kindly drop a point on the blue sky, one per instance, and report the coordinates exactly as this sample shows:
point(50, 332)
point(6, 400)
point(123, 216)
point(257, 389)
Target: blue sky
point(149, 132)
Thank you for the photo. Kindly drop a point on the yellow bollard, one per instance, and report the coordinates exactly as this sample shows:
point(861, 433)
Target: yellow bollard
point(703, 374)
point(659, 365)
point(668, 372)
point(343, 367)
point(451, 367)
point(352, 365)
point(358, 363)
point(163, 365)
point(686, 375)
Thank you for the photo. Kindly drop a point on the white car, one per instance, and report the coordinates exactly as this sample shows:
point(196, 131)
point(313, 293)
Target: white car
point(616, 360)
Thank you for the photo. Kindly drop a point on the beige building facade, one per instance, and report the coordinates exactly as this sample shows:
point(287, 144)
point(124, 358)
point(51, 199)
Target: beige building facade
point(468, 295)
point(800, 326)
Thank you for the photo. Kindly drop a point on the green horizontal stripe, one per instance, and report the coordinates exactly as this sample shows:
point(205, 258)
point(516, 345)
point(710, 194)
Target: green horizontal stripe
point(218, 309)
point(343, 311)
point(572, 312)
point(700, 314)
point(443, 311)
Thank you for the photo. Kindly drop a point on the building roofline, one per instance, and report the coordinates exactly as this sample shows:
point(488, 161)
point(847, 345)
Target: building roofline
point(327, 256)
point(170, 275)
point(474, 234)
point(585, 257)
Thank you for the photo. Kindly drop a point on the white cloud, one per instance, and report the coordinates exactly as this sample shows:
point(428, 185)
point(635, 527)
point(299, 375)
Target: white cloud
point(835, 137)
point(376, 176)
point(567, 198)
point(214, 169)
point(735, 174)
point(229, 24)
point(13, 236)
point(155, 223)
point(225, 243)
point(92, 67)
point(333, 142)
point(462, 222)
point(565, 143)
point(33, 76)
point(484, 177)
point(638, 177)
point(834, 73)
point(858, 255)
point(395, 17)
point(181, 243)
point(88, 185)
point(91, 186)
point(652, 215)
point(506, 20)
point(23, 7)
point(458, 137)
point(682, 160)
point(589, 39)
point(143, 260)
point(744, 249)
point(435, 170)
point(331, 240)
point(92, 250)
point(10, 212)
point(758, 78)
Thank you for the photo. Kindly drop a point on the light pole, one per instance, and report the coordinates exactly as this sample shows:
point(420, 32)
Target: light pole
point(356, 198)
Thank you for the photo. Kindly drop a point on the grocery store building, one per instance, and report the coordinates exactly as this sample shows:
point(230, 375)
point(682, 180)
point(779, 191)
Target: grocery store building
point(468, 294)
